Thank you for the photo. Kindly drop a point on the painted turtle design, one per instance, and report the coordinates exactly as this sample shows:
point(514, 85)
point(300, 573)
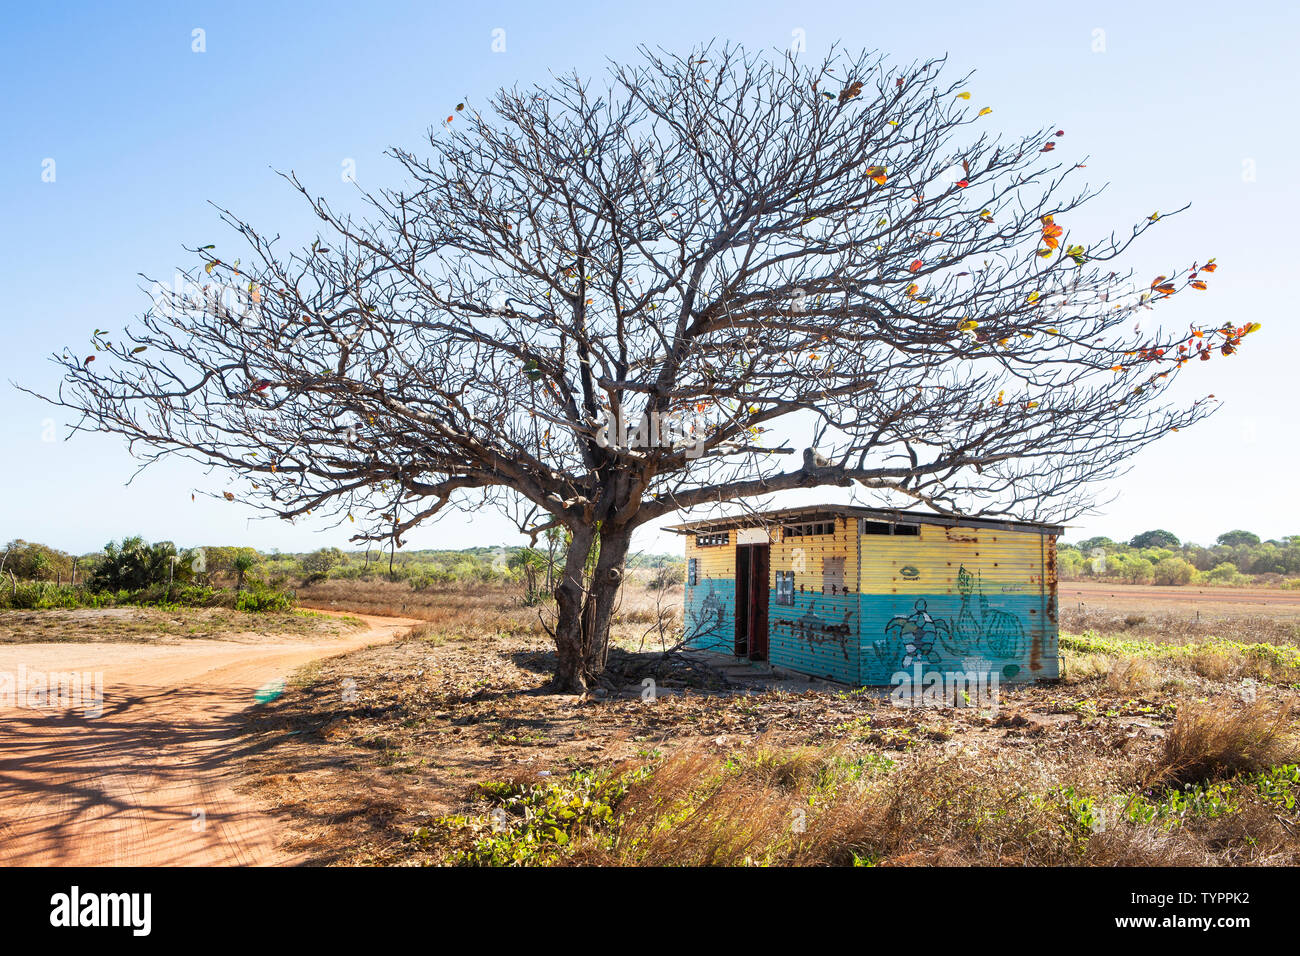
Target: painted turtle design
point(918, 633)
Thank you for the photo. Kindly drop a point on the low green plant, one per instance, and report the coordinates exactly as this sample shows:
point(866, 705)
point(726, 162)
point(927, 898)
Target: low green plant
point(532, 824)
point(260, 599)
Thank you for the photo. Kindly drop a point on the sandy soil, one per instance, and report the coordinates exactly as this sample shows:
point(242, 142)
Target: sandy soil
point(149, 780)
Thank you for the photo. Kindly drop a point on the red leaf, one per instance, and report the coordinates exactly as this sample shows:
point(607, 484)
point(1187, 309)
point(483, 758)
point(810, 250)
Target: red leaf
point(915, 266)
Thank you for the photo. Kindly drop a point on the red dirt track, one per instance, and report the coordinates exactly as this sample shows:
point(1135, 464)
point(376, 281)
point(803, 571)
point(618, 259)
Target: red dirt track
point(147, 781)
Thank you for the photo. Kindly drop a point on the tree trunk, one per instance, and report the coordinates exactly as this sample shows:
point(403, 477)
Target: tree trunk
point(584, 612)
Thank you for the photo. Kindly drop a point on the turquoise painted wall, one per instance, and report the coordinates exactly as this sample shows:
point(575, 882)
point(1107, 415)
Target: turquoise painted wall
point(710, 615)
point(1003, 635)
point(818, 635)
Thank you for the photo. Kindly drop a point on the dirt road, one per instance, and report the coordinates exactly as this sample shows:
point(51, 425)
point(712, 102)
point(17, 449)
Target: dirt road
point(145, 782)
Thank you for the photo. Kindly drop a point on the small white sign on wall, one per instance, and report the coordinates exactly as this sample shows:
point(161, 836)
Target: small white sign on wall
point(753, 536)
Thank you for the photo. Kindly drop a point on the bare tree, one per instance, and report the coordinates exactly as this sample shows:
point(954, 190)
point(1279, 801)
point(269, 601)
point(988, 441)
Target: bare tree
point(592, 307)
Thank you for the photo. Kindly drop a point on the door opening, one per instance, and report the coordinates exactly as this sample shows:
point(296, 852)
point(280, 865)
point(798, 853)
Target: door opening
point(752, 564)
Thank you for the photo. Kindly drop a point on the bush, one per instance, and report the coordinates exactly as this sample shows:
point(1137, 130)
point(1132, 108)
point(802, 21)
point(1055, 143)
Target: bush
point(667, 576)
point(318, 564)
point(1174, 571)
point(45, 595)
point(259, 599)
point(430, 578)
point(41, 595)
point(1225, 573)
point(136, 564)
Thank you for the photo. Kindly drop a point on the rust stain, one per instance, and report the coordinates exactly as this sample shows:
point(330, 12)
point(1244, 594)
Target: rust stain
point(1047, 584)
point(1051, 580)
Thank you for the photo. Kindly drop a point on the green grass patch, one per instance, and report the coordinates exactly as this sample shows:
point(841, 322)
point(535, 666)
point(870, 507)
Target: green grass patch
point(1283, 658)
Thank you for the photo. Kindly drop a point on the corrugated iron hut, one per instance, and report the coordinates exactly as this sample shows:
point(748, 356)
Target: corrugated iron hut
point(861, 594)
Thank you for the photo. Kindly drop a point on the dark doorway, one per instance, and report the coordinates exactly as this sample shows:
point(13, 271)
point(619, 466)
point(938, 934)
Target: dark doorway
point(752, 563)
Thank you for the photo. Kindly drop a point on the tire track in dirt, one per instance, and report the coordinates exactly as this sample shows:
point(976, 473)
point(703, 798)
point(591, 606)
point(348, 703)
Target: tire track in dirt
point(123, 787)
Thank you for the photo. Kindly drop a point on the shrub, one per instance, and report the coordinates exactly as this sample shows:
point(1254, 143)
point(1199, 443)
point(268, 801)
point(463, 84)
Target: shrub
point(46, 595)
point(135, 564)
point(430, 578)
point(1174, 571)
point(318, 564)
point(667, 575)
point(1225, 573)
point(260, 599)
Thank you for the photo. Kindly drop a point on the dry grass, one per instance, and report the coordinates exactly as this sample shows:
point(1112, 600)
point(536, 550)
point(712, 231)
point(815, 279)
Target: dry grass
point(1213, 742)
point(1214, 665)
point(145, 625)
point(1132, 675)
point(1081, 668)
point(1281, 627)
point(492, 609)
point(819, 808)
point(716, 777)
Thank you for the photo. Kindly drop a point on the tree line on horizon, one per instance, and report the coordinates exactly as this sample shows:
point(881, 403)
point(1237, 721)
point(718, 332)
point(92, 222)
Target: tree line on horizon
point(1237, 558)
point(134, 565)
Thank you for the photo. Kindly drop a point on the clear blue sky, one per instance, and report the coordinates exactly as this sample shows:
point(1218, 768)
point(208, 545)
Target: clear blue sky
point(1182, 102)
